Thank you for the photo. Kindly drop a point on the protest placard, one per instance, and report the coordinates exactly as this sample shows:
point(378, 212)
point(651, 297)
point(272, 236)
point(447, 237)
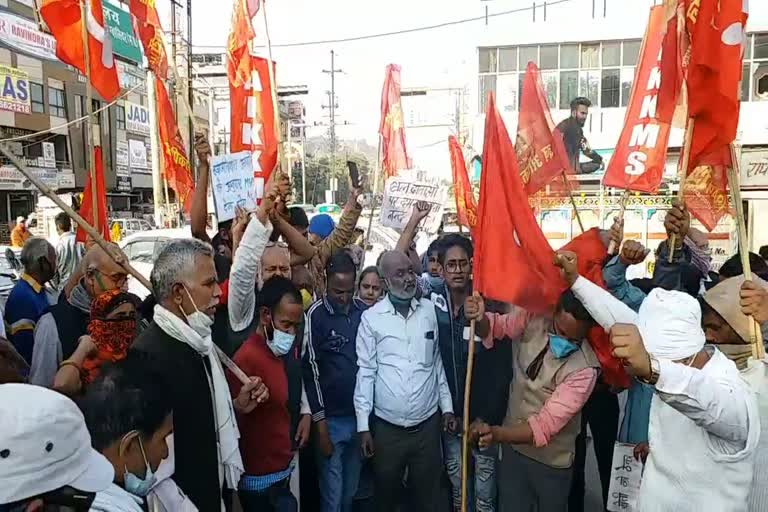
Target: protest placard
point(402, 192)
point(233, 184)
point(626, 474)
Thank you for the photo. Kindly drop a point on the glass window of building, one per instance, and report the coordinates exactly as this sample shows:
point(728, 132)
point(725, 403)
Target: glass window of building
point(507, 59)
point(120, 117)
point(487, 84)
point(589, 85)
point(507, 93)
point(610, 94)
point(611, 54)
point(569, 56)
point(528, 54)
point(37, 98)
point(630, 51)
point(761, 46)
point(627, 78)
point(57, 102)
point(487, 60)
point(569, 88)
point(550, 79)
point(590, 56)
point(548, 56)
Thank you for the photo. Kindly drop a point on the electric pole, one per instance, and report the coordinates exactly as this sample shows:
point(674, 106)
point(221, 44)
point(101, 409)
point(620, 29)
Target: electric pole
point(332, 106)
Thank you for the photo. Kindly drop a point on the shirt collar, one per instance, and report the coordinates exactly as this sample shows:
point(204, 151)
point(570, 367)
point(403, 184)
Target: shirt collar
point(32, 282)
point(390, 308)
point(331, 310)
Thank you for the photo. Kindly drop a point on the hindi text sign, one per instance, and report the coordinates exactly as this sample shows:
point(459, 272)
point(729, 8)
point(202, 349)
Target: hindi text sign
point(626, 473)
point(402, 192)
point(233, 184)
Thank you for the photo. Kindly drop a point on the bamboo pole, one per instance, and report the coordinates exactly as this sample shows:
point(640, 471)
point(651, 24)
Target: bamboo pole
point(573, 201)
point(758, 351)
point(272, 80)
point(376, 172)
point(84, 9)
point(683, 176)
point(622, 208)
point(465, 418)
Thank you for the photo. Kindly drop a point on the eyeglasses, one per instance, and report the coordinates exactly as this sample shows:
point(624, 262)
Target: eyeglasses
point(457, 266)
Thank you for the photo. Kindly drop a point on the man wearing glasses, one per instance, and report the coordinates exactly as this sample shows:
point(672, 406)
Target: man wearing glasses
point(58, 332)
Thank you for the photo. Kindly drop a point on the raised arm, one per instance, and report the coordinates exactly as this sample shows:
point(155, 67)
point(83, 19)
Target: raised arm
point(198, 214)
point(301, 250)
point(405, 242)
point(615, 274)
point(345, 230)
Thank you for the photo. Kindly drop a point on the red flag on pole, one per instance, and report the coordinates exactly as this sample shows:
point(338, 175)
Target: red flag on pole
point(238, 43)
point(176, 167)
point(641, 153)
point(541, 153)
point(65, 20)
point(150, 31)
point(466, 207)
point(706, 188)
point(86, 205)
point(672, 65)
point(394, 155)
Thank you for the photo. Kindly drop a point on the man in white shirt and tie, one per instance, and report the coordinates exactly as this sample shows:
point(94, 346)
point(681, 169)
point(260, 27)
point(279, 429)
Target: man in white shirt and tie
point(401, 390)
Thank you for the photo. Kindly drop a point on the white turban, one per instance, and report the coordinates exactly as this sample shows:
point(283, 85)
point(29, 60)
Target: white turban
point(670, 324)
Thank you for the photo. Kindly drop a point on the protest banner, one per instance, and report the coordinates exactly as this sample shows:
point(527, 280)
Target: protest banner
point(233, 184)
point(402, 192)
point(626, 475)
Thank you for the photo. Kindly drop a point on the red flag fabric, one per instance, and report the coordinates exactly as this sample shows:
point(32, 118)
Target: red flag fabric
point(541, 153)
point(706, 188)
point(673, 64)
point(86, 205)
point(147, 26)
point(394, 155)
point(64, 19)
point(717, 33)
point(639, 158)
point(466, 207)
point(240, 36)
point(252, 119)
point(176, 166)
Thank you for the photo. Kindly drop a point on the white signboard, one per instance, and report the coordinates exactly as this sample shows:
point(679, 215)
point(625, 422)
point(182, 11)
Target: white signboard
point(754, 169)
point(402, 192)
point(626, 475)
point(12, 179)
point(49, 154)
point(137, 118)
point(122, 154)
point(137, 154)
point(233, 184)
point(66, 178)
point(123, 171)
point(24, 35)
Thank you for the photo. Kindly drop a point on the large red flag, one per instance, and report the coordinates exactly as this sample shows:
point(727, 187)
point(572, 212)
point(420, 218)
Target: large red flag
point(639, 158)
point(394, 155)
point(64, 19)
point(717, 33)
point(540, 152)
point(673, 62)
point(176, 166)
point(466, 207)
point(240, 36)
point(706, 188)
point(252, 118)
point(150, 31)
point(86, 205)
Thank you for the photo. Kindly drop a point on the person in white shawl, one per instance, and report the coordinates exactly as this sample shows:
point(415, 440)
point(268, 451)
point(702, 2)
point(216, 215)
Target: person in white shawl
point(704, 423)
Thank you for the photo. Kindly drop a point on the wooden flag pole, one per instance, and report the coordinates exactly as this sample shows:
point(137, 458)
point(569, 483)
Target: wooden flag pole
point(758, 351)
point(683, 176)
point(273, 84)
point(573, 201)
point(465, 418)
point(89, 160)
point(376, 172)
point(622, 208)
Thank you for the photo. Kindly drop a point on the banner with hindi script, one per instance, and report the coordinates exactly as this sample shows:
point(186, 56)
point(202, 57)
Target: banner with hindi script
point(402, 192)
point(232, 184)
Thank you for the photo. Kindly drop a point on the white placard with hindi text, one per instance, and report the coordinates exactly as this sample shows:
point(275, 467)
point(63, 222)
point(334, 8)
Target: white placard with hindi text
point(626, 474)
point(233, 184)
point(402, 192)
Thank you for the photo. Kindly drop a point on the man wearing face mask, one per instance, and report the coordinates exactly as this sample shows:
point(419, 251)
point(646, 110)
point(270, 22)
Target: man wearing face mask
point(401, 381)
point(58, 332)
point(178, 341)
point(267, 441)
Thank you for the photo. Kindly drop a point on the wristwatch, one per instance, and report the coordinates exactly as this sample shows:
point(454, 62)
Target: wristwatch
point(655, 370)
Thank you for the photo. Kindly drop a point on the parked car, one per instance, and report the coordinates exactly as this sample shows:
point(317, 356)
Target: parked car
point(143, 248)
point(130, 226)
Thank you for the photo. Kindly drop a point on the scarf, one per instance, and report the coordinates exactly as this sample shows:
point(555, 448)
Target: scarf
point(116, 499)
point(80, 298)
point(670, 324)
point(111, 337)
point(226, 426)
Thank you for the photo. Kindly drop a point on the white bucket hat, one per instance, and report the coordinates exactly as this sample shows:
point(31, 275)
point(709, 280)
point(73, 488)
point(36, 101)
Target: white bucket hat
point(45, 445)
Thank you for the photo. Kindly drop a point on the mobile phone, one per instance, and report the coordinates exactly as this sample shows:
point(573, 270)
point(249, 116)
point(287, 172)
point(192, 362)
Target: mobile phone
point(354, 174)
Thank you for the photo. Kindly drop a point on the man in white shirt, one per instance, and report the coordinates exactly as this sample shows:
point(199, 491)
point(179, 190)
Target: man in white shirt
point(400, 386)
point(704, 423)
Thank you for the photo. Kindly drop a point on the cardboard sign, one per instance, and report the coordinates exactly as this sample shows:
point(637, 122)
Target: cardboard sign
point(233, 184)
point(626, 474)
point(402, 192)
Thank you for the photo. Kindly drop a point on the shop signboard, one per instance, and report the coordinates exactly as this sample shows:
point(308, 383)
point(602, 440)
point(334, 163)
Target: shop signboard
point(23, 35)
point(137, 118)
point(123, 184)
point(49, 154)
point(14, 95)
point(138, 154)
point(122, 154)
point(124, 42)
point(754, 169)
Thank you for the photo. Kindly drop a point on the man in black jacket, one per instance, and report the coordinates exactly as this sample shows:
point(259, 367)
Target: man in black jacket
point(572, 130)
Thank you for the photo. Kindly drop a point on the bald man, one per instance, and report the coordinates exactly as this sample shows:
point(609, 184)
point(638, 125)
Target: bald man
point(59, 331)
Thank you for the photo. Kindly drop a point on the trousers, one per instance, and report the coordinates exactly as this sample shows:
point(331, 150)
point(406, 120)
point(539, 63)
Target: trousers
point(481, 484)
point(340, 473)
point(526, 485)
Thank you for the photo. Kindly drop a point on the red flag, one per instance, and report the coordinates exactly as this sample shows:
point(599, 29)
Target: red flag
point(717, 32)
point(64, 19)
point(541, 154)
point(641, 153)
point(252, 118)
point(672, 65)
point(150, 31)
point(240, 36)
point(706, 188)
point(178, 172)
point(86, 205)
point(466, 207)
point(394, 155)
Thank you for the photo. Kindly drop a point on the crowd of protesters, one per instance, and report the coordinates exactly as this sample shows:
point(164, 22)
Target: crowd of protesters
point(353, 379)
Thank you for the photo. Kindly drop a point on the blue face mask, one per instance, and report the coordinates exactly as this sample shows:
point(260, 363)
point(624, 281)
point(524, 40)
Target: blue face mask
point(435, 282)
point(561, 347)
point(139, 486)
point(281, 341)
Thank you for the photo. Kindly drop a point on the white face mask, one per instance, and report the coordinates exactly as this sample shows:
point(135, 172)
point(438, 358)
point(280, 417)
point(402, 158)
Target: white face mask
point(198, 321)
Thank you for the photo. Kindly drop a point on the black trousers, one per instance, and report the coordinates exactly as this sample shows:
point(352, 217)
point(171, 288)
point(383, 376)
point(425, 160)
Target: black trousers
point(418, 450)
point(601, 412)
point(277, 498)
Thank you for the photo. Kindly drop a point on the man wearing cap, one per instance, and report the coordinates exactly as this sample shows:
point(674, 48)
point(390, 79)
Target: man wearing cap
point(46, 458)
point(700, 402)
point(19, 233)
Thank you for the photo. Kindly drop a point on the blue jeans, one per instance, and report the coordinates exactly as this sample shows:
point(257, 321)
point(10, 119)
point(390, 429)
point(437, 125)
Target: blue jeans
point(481, 478)
point(340, 473)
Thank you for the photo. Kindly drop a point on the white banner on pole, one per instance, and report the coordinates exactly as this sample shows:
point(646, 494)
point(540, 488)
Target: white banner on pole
point(402, 192)
point(233, 184)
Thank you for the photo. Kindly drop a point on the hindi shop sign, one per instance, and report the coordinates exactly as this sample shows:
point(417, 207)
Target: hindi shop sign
point(626, 475)
point(137, 154)
point(402, 192)
point(124, 42)
point(137, 118)
point(754, 169)
point(233, 184)
point(15, 91)
point(23, 35)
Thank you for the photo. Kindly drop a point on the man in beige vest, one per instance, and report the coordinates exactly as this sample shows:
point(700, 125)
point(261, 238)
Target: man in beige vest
point(555, 371)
